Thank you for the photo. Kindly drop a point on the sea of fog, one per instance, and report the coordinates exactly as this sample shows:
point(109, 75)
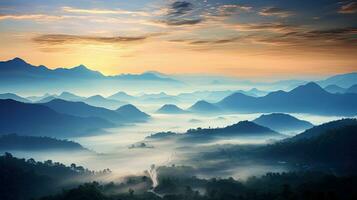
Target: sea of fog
point(112, 149)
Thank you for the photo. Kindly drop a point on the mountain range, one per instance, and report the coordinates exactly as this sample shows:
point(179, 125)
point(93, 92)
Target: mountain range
point(17, 75)
point(308, 98)
point(17, 68)
point(35, 119)
point(62, 118)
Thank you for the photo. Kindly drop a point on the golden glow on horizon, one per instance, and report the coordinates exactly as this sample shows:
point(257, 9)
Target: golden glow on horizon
point(174, 58)
point(215, 40)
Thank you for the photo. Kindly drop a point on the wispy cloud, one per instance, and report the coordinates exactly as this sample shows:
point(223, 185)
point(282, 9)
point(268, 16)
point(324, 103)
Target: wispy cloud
point(57, 39)
point(330, 38)
point(179, 22)
point(275, 11)
point(275, 27)
point(231, 9)
point(102, 11)
point(41, 17)
point(349, 8)
point(208, 41)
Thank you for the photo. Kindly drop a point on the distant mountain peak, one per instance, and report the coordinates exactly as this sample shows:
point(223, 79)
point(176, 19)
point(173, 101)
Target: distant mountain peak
point(131, 111)
point(310, 87)
point(18, 60)
point(170, 109)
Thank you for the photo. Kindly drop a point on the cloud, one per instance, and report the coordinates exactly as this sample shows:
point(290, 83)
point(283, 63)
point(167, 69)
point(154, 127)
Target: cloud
point(179, 8)
point(57, 39)
point(349, 8)
point(343, 37)
point(101, 11)
point(179, 22)
point(231, 9)
point(208, 42)
point(275, 11)
point(39, 17)
point(179, 13)
point(275, 27)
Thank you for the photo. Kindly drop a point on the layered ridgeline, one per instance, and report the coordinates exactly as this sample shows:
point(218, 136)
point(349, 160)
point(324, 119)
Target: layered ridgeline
point(124, 114)
point(34, 119)
point(240, 129)
point(337, 89)
point(328, 147)
point(282, 122)
point(18, 75)
point(309, 98)
point(61, 118)
point(13, 142)
point(96, 100)
point(14, 97)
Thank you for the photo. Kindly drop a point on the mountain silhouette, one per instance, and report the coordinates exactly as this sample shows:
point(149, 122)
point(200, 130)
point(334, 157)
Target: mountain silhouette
point(341, 80)
point(132, 113)
point(81, 109)
point(69, 96)
point(333, 148)
point(320, 129)
point(122, 96)
point(14, 97)
point(334, 89)
point(170, 109)
point(203, 107)
point(35, 119)
point(20, 69)
point(100, 101)
point(282, 122)
point(308, 98)
point(18, 75)
point(240, 129)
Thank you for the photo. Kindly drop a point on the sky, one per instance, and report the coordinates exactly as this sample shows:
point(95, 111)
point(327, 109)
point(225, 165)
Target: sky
point(245, 38)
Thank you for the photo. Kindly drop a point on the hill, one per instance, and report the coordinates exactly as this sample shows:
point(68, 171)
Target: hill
point(81, 109)
point(309, 98)
point(341, 80)
point(334, 89)
point(332, 149)
point(31, 143)
point(320, 129)
point(170, 109)
point(132, 113)
point(34, 119)
point(100, 101)
point(282, 122)
point(240, 129)
point(203, 107)
point(122, 96)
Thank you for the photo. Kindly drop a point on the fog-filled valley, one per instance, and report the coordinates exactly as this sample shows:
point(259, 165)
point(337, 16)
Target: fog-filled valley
point(192, 142)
